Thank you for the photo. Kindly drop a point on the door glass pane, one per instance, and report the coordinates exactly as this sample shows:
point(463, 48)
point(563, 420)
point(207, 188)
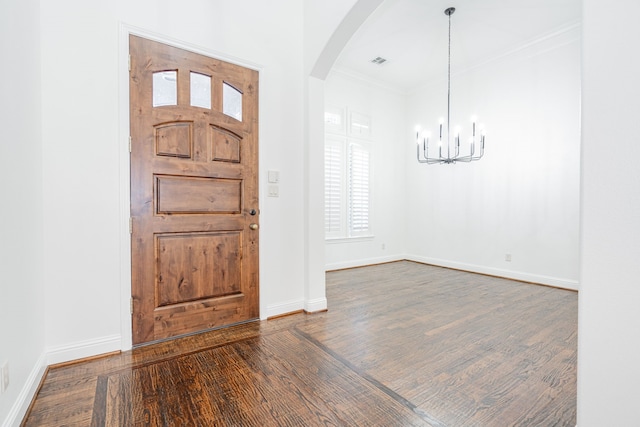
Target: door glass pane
point(165, 88)
point(200, 90)
point(232, 101)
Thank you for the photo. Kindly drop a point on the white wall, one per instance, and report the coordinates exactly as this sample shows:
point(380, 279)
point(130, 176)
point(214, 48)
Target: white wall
point(522, 198)
point(82, 63)
point(609, 314)
point(22, 320)
point(386, 107)
point(80, 169)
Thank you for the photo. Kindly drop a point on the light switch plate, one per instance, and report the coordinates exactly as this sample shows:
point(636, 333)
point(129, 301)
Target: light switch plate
point(274, 176)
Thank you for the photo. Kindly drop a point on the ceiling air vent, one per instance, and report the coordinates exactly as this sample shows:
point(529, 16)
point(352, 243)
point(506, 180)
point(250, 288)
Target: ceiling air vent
point(378, 60)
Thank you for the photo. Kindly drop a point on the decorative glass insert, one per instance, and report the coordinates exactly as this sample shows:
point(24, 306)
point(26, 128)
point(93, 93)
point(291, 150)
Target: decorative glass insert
point(360, 125)
point(334, 119)
point(165, 88)
point(200, 90)
point(231, 101)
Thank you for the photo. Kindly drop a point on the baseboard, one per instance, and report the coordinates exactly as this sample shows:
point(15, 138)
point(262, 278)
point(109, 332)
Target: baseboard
point(284, 308)
point(29, 390)
point(508, 274)
point(310, 306)
point(83, 349)
point(363, 262)
point(52, 356)
point(315, 305)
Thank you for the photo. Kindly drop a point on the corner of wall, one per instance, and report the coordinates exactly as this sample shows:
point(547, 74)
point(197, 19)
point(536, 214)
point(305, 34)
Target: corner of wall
point(315, 305)
point(28, 392)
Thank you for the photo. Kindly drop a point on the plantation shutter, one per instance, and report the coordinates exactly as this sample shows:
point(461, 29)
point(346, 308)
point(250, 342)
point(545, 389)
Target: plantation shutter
point(359, 192)
point(333, 188)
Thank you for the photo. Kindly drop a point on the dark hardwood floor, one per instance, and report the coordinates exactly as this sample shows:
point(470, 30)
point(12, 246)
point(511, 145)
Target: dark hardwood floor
point(403, 344)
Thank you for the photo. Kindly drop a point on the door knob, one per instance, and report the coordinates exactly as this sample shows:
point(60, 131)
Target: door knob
point(253, 226)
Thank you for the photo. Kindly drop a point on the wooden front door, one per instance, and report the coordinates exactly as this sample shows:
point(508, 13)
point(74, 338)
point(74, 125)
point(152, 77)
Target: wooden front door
point(194, 191)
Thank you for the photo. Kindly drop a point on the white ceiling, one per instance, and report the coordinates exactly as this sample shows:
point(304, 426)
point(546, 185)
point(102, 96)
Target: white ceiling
point(412, 36)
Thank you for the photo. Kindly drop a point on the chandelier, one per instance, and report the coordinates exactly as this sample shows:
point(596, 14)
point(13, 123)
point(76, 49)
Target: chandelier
point(449, 153)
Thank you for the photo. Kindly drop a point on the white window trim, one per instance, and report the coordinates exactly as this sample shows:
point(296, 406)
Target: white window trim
point(356, 239)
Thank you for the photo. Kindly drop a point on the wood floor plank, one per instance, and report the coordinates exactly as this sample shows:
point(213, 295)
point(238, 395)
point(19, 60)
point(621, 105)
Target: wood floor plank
point(503, 331)
point(401, 344)
point(278, 380)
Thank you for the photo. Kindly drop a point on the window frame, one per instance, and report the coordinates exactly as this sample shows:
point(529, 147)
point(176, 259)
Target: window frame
point(343, 143)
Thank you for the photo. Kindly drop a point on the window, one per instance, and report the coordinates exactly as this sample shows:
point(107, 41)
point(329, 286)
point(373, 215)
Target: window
point(165, 88)
point(347, 180)
point(231, 101)
point(200, 90)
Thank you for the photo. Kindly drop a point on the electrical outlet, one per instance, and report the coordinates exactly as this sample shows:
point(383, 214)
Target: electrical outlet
point(507, 257)
point(274, 191)
point(384, 246)
point(4, 376)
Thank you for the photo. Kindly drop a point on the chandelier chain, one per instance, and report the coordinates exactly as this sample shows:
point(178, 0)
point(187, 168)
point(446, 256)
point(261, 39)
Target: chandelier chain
point(449, 88)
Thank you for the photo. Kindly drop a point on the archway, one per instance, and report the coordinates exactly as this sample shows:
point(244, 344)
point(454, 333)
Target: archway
point(315, 295)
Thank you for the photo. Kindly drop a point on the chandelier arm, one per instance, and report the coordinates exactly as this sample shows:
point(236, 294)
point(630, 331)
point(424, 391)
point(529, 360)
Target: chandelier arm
point(426, 158)
point(463, 159)
point(481, 150)
point(418, 153)
point(431, 160)
point(448, 160)
point(470, 158)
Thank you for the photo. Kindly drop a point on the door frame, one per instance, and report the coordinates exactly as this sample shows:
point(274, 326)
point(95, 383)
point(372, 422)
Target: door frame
point(126, 334)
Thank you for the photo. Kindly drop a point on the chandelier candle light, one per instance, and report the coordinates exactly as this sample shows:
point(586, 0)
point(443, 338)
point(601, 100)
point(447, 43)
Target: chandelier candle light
point(452, 154)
